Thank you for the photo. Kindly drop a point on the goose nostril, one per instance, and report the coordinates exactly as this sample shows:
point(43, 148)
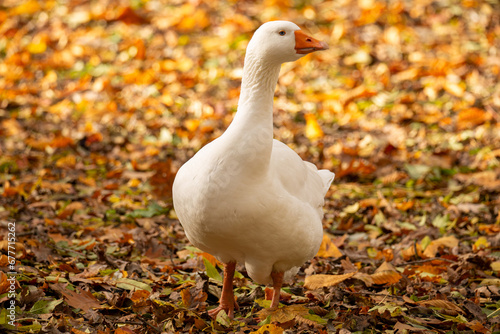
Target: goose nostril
point(309, 40)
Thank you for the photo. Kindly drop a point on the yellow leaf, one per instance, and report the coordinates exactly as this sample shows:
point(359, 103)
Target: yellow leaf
point(313, 129)
point(454, 89)
point(328, 248)
point(28, 7)
point(480, 243)
point(133, 183)
point(320, 281)
point(269, 329)
point(38, 46)
point(495, 266)
point(490, 281)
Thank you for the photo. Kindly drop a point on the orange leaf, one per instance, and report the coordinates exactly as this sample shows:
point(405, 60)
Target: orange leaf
point(386, 274)
point(328, 248)
point(320, 281)
point(120, 330)
point(139, 295)
point(405, 206)
point(68, 161)
point(28, 7)
point(386, 277)
point(210, 258)
point(478, 327)
point(471, 117)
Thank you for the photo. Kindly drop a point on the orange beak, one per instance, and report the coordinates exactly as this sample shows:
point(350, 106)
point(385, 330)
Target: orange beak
point(305, 44)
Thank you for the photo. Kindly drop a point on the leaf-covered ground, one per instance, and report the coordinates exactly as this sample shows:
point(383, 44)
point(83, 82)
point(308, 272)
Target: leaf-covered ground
point(101, 101)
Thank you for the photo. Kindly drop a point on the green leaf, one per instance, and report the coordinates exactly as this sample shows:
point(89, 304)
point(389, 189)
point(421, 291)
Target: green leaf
point(459, 318)
point(417, 171)
point(441, 222)
point(266, 321)
point(212, 272)
point(394, 310)
point(494, 313)
point(129, 284)
point(406, 225)
point(44, 306)
point(425, 242)
point(153, 209)
point(316, 318)
point(223, 319)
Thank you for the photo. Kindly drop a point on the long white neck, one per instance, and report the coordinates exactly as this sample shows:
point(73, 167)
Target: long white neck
point(255, 106)
point(252, 128)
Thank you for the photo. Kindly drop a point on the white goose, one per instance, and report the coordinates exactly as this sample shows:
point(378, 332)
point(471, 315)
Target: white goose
point(248, 198)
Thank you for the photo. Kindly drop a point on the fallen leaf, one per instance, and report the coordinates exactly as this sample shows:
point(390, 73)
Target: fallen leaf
point(386, 277)
point(320, 281)
point(448, 242)
point(471, 117)
point(269, 329)
point(450, 307)
point(83, 300)
point(313, 130)
point(328, 248)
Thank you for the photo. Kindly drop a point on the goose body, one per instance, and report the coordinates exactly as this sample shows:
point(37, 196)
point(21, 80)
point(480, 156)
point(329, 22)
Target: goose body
point(246, 197)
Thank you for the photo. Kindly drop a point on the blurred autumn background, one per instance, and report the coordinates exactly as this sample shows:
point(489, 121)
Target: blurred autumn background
point(102, 101)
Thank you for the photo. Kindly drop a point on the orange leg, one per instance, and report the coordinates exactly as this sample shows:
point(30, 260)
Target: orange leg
point(226, 302)
point(277, 283)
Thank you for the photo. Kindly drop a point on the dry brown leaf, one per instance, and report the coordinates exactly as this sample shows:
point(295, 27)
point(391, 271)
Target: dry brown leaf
point(367, 279)
point(283, 314)
point(385, 266)
point(70, 209)
point(432, 249)
point(328, 248)
point(478, 327)
point(18, 247)
point(451, 308)
point(83, 300)
point(320, 281)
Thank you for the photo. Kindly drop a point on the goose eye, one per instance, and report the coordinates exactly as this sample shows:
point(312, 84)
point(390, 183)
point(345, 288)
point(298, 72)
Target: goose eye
point(282, 32)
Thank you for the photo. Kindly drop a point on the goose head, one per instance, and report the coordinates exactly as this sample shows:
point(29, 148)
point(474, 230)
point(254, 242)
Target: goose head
point(282, 41)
